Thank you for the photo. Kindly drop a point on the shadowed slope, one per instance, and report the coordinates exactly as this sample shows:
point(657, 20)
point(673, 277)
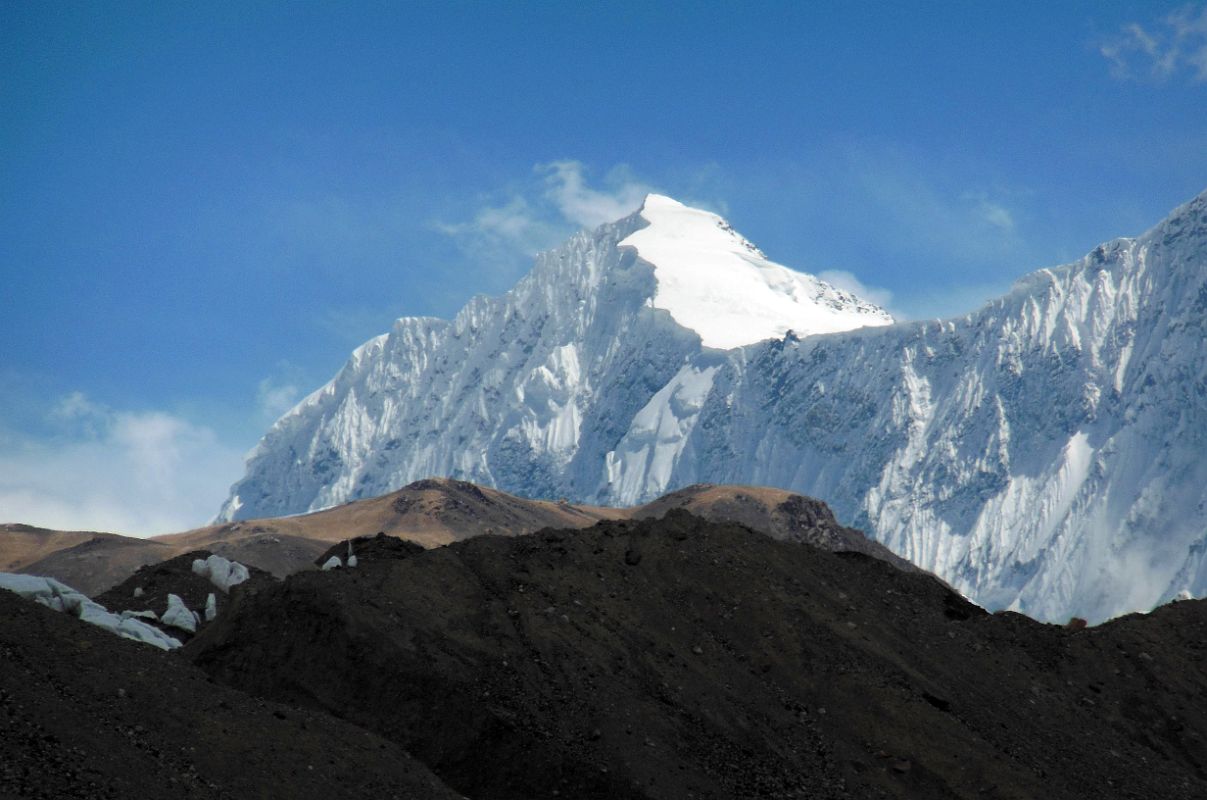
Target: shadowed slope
point(86, 714)
point(678, 658)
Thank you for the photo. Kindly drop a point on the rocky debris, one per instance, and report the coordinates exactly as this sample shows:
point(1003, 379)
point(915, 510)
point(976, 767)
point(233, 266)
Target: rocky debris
point(84, 714)
point(369, 548)
point(679, 659)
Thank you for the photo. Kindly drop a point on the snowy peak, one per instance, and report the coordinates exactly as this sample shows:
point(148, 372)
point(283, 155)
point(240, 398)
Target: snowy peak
point(716, 283)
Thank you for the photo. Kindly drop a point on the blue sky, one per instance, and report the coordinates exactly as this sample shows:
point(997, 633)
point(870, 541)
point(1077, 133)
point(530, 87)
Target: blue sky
point(204, 207)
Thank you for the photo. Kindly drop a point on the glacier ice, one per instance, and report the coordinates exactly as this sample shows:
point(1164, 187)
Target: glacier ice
point(178, 615)
point(61, 597)
point(222, 572)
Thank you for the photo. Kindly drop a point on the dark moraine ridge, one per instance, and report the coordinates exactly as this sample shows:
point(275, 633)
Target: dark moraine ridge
point(677, 658)
point(85, 714)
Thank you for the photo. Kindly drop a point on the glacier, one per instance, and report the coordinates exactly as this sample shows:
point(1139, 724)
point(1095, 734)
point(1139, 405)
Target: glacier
point(1043, 453)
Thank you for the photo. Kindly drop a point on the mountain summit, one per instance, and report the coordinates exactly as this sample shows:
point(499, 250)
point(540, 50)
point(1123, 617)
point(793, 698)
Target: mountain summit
point(1043, 453)
point(716, 283)
point(529, 391)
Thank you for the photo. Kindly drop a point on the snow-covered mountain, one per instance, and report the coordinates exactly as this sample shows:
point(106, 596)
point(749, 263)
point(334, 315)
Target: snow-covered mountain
point(1043, 453)
point(529, 391)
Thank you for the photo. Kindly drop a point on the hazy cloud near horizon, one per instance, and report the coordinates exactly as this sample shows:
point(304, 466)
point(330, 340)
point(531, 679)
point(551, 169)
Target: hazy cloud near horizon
point(138, 473)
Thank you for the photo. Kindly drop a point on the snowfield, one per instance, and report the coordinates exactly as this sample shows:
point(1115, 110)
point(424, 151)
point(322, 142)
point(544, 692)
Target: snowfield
point(721, 286)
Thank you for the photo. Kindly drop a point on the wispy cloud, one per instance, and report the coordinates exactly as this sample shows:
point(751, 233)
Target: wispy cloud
point(515, 225)
point(566, 186)
point(948, 300)
point(274, 396)
point(1158, 51)
point(942, 234)
point(917, 209)
point(539, 214)
point(133, 472)
point(992, 213)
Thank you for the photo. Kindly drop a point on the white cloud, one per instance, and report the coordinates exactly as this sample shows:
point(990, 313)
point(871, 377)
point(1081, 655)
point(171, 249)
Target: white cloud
point(134, 472)
point(542, 212)
point(1175, 44)
point(921, 213)
point(281, 390)
point(514, 225)
point(996, 215)
point(75, 405)
point(931, 303)
point(918, 212)
point(275, 398)
point(566, 186)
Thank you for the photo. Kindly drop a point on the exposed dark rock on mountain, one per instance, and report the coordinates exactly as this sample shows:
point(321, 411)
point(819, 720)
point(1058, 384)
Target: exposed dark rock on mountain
point(676, 658)
point(780, 514)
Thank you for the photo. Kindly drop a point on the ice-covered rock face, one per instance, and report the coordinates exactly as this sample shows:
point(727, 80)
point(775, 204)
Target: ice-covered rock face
point(529, 391)
point(1044, 453)
point(721, 286)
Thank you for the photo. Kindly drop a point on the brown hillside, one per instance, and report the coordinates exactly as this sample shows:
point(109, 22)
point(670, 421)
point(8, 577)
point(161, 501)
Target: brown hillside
point(431, 513)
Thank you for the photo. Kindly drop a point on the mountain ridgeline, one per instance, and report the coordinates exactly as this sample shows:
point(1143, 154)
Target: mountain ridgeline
point(1042, 453)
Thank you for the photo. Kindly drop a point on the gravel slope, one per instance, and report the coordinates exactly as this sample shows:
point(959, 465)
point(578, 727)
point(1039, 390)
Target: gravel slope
point(682, 659)
point(85, 714)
